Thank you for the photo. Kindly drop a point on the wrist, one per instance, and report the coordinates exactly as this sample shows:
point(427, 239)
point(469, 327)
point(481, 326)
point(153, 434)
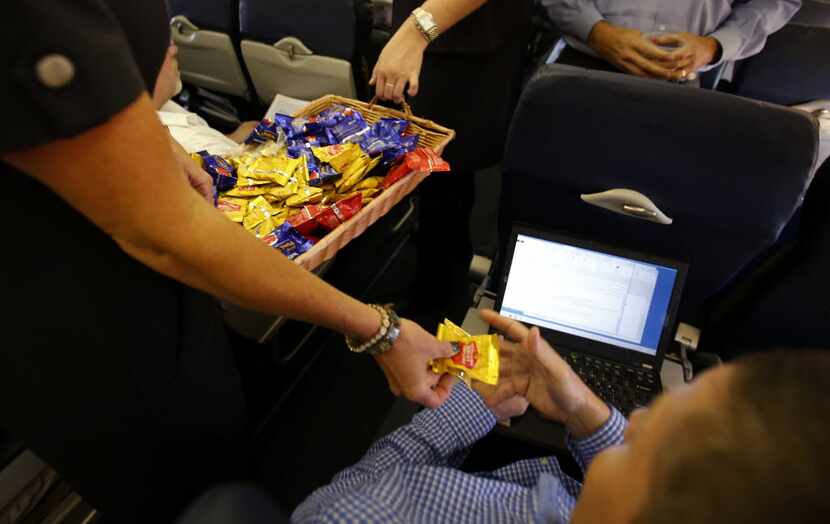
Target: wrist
point(588, 417)
point(713, 50)
point(598, 33)
point(366, 323)
point(412, 36)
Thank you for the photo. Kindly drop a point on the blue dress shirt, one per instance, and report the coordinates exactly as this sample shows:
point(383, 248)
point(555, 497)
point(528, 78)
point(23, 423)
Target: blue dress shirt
point(411, 475)
point(741, 26)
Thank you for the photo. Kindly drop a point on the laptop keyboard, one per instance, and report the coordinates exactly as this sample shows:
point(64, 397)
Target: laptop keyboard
point(625, 387)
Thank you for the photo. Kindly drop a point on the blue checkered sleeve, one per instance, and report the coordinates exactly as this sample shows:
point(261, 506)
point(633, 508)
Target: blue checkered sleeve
point(439, 437)
point(609, 434)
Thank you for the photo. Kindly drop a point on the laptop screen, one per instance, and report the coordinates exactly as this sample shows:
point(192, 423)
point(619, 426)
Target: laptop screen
point(590, 294)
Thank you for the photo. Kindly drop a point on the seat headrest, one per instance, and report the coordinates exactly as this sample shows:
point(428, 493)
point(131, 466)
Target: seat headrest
point(709, 157)
point(215, 15)
point(327, 27)
point(791, 69)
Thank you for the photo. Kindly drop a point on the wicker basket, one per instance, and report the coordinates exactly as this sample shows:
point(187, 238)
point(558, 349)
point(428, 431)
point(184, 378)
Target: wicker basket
point(432, 135)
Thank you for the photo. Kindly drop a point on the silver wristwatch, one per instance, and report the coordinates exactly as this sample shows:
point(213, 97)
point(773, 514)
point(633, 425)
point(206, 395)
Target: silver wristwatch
point(426, 24)
point(384, 339)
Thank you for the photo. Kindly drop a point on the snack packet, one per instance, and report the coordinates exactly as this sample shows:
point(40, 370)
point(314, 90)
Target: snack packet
point(288, 240)
point(220, 170)
point(248, 191)
point(477, 356)
point(233, 208)
point(421, 160)
point(334, 215)
point(274, 169)
point(339, 156)
point(305, 195)
point(305, 222)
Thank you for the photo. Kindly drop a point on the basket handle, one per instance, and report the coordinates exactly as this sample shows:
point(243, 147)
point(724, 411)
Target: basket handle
point(407, 110)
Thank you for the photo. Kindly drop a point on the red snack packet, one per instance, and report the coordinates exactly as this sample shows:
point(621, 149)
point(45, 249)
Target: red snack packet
point(421, 160)
point(305, 222)
point(340, 211)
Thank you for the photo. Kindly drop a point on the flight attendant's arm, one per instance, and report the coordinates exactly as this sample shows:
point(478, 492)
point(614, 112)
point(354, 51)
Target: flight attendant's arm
point(400, 61)
point(123, 177)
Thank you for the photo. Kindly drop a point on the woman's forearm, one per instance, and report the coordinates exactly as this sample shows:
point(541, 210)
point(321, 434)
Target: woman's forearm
point(131, 188)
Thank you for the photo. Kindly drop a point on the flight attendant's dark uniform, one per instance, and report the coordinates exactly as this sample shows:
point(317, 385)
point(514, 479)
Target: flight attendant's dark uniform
point(117, 376)
point(469, 82)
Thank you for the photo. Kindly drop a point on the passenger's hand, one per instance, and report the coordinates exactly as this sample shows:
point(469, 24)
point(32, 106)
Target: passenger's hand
point(694, 51)
point(503, 400)
point(399, 63)
point(535, 371)
point(631, 52)
point(406, 366)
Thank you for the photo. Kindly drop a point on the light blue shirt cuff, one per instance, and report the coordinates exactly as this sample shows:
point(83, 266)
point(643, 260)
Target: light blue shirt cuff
point(609, 434)
point(731, 41)
point(584, 22)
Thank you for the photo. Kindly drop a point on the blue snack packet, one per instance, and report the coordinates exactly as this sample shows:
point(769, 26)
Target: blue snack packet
point(288, 240)
point(407, 144)
point(266, 131)
point(324, 175)
point(351, 128)
point(223, 173)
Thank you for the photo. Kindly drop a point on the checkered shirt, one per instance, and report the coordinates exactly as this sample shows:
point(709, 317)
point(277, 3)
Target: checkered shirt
point(411, 476)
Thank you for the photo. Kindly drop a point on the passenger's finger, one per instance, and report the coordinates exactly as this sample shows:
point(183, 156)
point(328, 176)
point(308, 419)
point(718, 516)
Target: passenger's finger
point(650, 68)
point(509, 327)
point(445, 350)
point(444, 388)
point(647, 49)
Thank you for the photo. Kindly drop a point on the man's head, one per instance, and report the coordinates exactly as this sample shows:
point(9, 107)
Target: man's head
point(746, 442)
point(168, 82)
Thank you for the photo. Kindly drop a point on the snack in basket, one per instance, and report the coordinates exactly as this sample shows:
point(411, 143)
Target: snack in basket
point(351, 127)
point(356, 172)
point(259, 212)
point(477, 356)
point(305, 195)
point(288, 240)
point(276, 193)
point(265, 132)
point(339, 156)
point(325, 175)
point(233, 208)
point(248, 191)
point(220, 170)
point(275, 169)
point(334, 215)
point(372, 182)
point(305, 222)
point(421, 160)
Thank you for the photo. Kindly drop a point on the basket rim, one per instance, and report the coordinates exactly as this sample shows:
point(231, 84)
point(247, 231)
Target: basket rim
point(429, 126)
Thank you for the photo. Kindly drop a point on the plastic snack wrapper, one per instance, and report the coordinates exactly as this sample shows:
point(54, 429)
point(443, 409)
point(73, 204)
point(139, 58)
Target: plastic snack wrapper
point(275, 169)
point(339, 156)
point(356, 172)
point(305, 222)
point(233, 208)
point(477, 357)
point(305, 195)
point(337, 213)
point(259, 212)
point(220, 170)
point(248, 191)
point(288, 240)
point(421, 160)
point(265, 132)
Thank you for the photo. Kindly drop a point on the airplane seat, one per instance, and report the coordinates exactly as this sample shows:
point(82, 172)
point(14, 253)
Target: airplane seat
point(206, 33)
point(707, 178)
point(299, 48)
point(234, 504)
point(793, 66)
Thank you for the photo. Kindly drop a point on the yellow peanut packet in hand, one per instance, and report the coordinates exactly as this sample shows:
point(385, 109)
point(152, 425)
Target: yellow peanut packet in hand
point(477, 356)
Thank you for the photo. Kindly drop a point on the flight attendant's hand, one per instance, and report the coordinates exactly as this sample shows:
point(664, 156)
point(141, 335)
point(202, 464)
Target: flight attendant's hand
point(399, 64)
point(406, 366)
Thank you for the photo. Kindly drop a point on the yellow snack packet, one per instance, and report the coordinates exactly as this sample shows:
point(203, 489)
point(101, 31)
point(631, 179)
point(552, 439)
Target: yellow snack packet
point(339, 156)
point(305, 195)
point(277, 169)
point(280, 193)
point(259, 212)
point(233, 208)
point(477, 356)
point(356, 172)
point(247, 191)
point(370, 183)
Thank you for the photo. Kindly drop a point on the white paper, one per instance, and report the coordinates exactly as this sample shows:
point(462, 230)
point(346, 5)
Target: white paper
point(285, 105)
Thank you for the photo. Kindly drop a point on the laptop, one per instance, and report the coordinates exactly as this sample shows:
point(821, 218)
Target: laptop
point(609, 312)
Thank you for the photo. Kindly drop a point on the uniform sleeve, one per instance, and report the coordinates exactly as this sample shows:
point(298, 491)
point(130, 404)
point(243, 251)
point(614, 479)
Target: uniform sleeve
point(745, 31)
point(573, 17)
point(68, 68)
